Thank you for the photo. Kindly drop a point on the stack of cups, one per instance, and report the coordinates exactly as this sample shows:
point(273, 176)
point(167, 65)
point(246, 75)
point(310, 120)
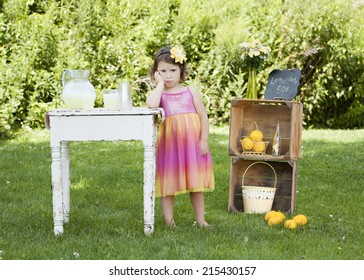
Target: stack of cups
point(118, 99)
point(125, 95)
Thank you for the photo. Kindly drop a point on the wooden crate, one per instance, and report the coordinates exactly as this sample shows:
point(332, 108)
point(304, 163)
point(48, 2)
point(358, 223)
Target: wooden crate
point(266, 113)
point(263, 175)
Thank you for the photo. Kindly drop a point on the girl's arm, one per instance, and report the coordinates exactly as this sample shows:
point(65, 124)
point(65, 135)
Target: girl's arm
point(154, 98)
point(201, 111)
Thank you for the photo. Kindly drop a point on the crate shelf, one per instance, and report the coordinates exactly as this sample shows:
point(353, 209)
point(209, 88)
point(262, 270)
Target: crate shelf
point(260, 175)
point(265, 113)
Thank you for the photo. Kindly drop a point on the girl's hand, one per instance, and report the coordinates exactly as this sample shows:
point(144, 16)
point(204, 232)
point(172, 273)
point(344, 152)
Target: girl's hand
point(158, 78)
point(204, 146)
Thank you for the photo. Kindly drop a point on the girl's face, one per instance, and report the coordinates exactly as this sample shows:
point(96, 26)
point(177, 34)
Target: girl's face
point(170, 73)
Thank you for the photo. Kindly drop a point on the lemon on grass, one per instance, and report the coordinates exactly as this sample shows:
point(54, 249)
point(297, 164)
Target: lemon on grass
point(259, 147)
point(280, 214)
point(300, 220)
point(247, 143)
point(290, 224)
point(275, 220)
point(269, 215)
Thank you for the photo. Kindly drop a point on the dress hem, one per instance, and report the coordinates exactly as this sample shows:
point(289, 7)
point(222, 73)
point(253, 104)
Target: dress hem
point(204, 189)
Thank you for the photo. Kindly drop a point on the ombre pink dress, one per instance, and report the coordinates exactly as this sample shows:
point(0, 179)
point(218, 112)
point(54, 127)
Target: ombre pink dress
point(181, 167)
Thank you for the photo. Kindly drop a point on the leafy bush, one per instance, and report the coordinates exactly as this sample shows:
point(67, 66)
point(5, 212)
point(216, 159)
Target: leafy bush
point(116, 40)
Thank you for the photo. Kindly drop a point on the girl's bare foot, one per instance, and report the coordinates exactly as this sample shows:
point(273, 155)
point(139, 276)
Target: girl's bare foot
point(204, 225)
point(171, 224)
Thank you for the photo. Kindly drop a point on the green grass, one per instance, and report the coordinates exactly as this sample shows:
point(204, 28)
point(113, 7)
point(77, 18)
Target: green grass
point(106, 219)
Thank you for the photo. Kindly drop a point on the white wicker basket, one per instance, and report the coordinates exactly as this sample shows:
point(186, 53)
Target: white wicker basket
point(257, 199)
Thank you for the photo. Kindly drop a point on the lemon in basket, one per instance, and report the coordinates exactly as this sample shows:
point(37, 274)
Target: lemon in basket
point(256, 135)
point(300, 220)
point(247, 143)
point(259, 147)
point(290, 224)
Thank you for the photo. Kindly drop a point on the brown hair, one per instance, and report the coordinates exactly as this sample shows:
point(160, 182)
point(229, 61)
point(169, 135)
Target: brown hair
point(164, 54)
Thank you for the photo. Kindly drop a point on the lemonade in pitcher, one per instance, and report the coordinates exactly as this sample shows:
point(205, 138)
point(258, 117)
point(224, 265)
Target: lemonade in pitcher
point(78, 92)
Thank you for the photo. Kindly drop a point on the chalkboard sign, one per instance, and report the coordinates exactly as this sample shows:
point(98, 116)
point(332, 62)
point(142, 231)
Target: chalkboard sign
point(282, 84)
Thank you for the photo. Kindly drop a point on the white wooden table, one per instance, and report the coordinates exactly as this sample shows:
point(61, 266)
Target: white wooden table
point(99, 124)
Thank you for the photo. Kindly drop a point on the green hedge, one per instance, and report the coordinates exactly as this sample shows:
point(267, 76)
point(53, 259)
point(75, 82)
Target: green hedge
point(116, 40)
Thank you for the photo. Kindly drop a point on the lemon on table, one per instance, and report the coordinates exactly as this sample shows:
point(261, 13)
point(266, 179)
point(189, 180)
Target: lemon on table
point(247, 143)
point(259, 147)
point(300, 219)
point(290, 224)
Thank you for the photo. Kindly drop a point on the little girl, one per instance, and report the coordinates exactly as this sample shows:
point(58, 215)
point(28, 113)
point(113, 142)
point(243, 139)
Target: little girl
point(184, 162)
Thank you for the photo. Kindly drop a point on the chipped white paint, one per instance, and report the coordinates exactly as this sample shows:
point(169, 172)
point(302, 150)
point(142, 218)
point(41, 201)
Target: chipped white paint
point(149, 186)
point(67, 125)
point(65, 169)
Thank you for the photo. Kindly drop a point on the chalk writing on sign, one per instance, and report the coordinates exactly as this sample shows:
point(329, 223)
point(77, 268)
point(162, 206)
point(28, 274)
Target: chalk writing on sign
point(282, 84)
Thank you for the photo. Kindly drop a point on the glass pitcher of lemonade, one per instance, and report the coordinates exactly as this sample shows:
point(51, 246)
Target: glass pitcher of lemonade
point(78, 92)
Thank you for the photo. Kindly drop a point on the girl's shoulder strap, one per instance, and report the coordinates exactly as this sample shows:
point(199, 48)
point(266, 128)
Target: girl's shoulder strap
point(190, 89)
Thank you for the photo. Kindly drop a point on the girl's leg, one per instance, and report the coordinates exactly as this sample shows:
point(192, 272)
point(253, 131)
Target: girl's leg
point(198, 204)
point(167, 205)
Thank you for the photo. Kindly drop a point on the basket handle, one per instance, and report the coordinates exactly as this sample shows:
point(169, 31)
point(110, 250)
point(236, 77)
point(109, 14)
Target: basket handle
point(275, 174)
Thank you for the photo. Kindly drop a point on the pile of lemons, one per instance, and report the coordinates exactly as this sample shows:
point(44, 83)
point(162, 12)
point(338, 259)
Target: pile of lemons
point(275, 218)
point(254, 141)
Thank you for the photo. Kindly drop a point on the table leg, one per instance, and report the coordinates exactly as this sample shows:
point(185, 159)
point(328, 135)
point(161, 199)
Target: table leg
point(149, 187)
point(57, 190)
point(65, 161)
